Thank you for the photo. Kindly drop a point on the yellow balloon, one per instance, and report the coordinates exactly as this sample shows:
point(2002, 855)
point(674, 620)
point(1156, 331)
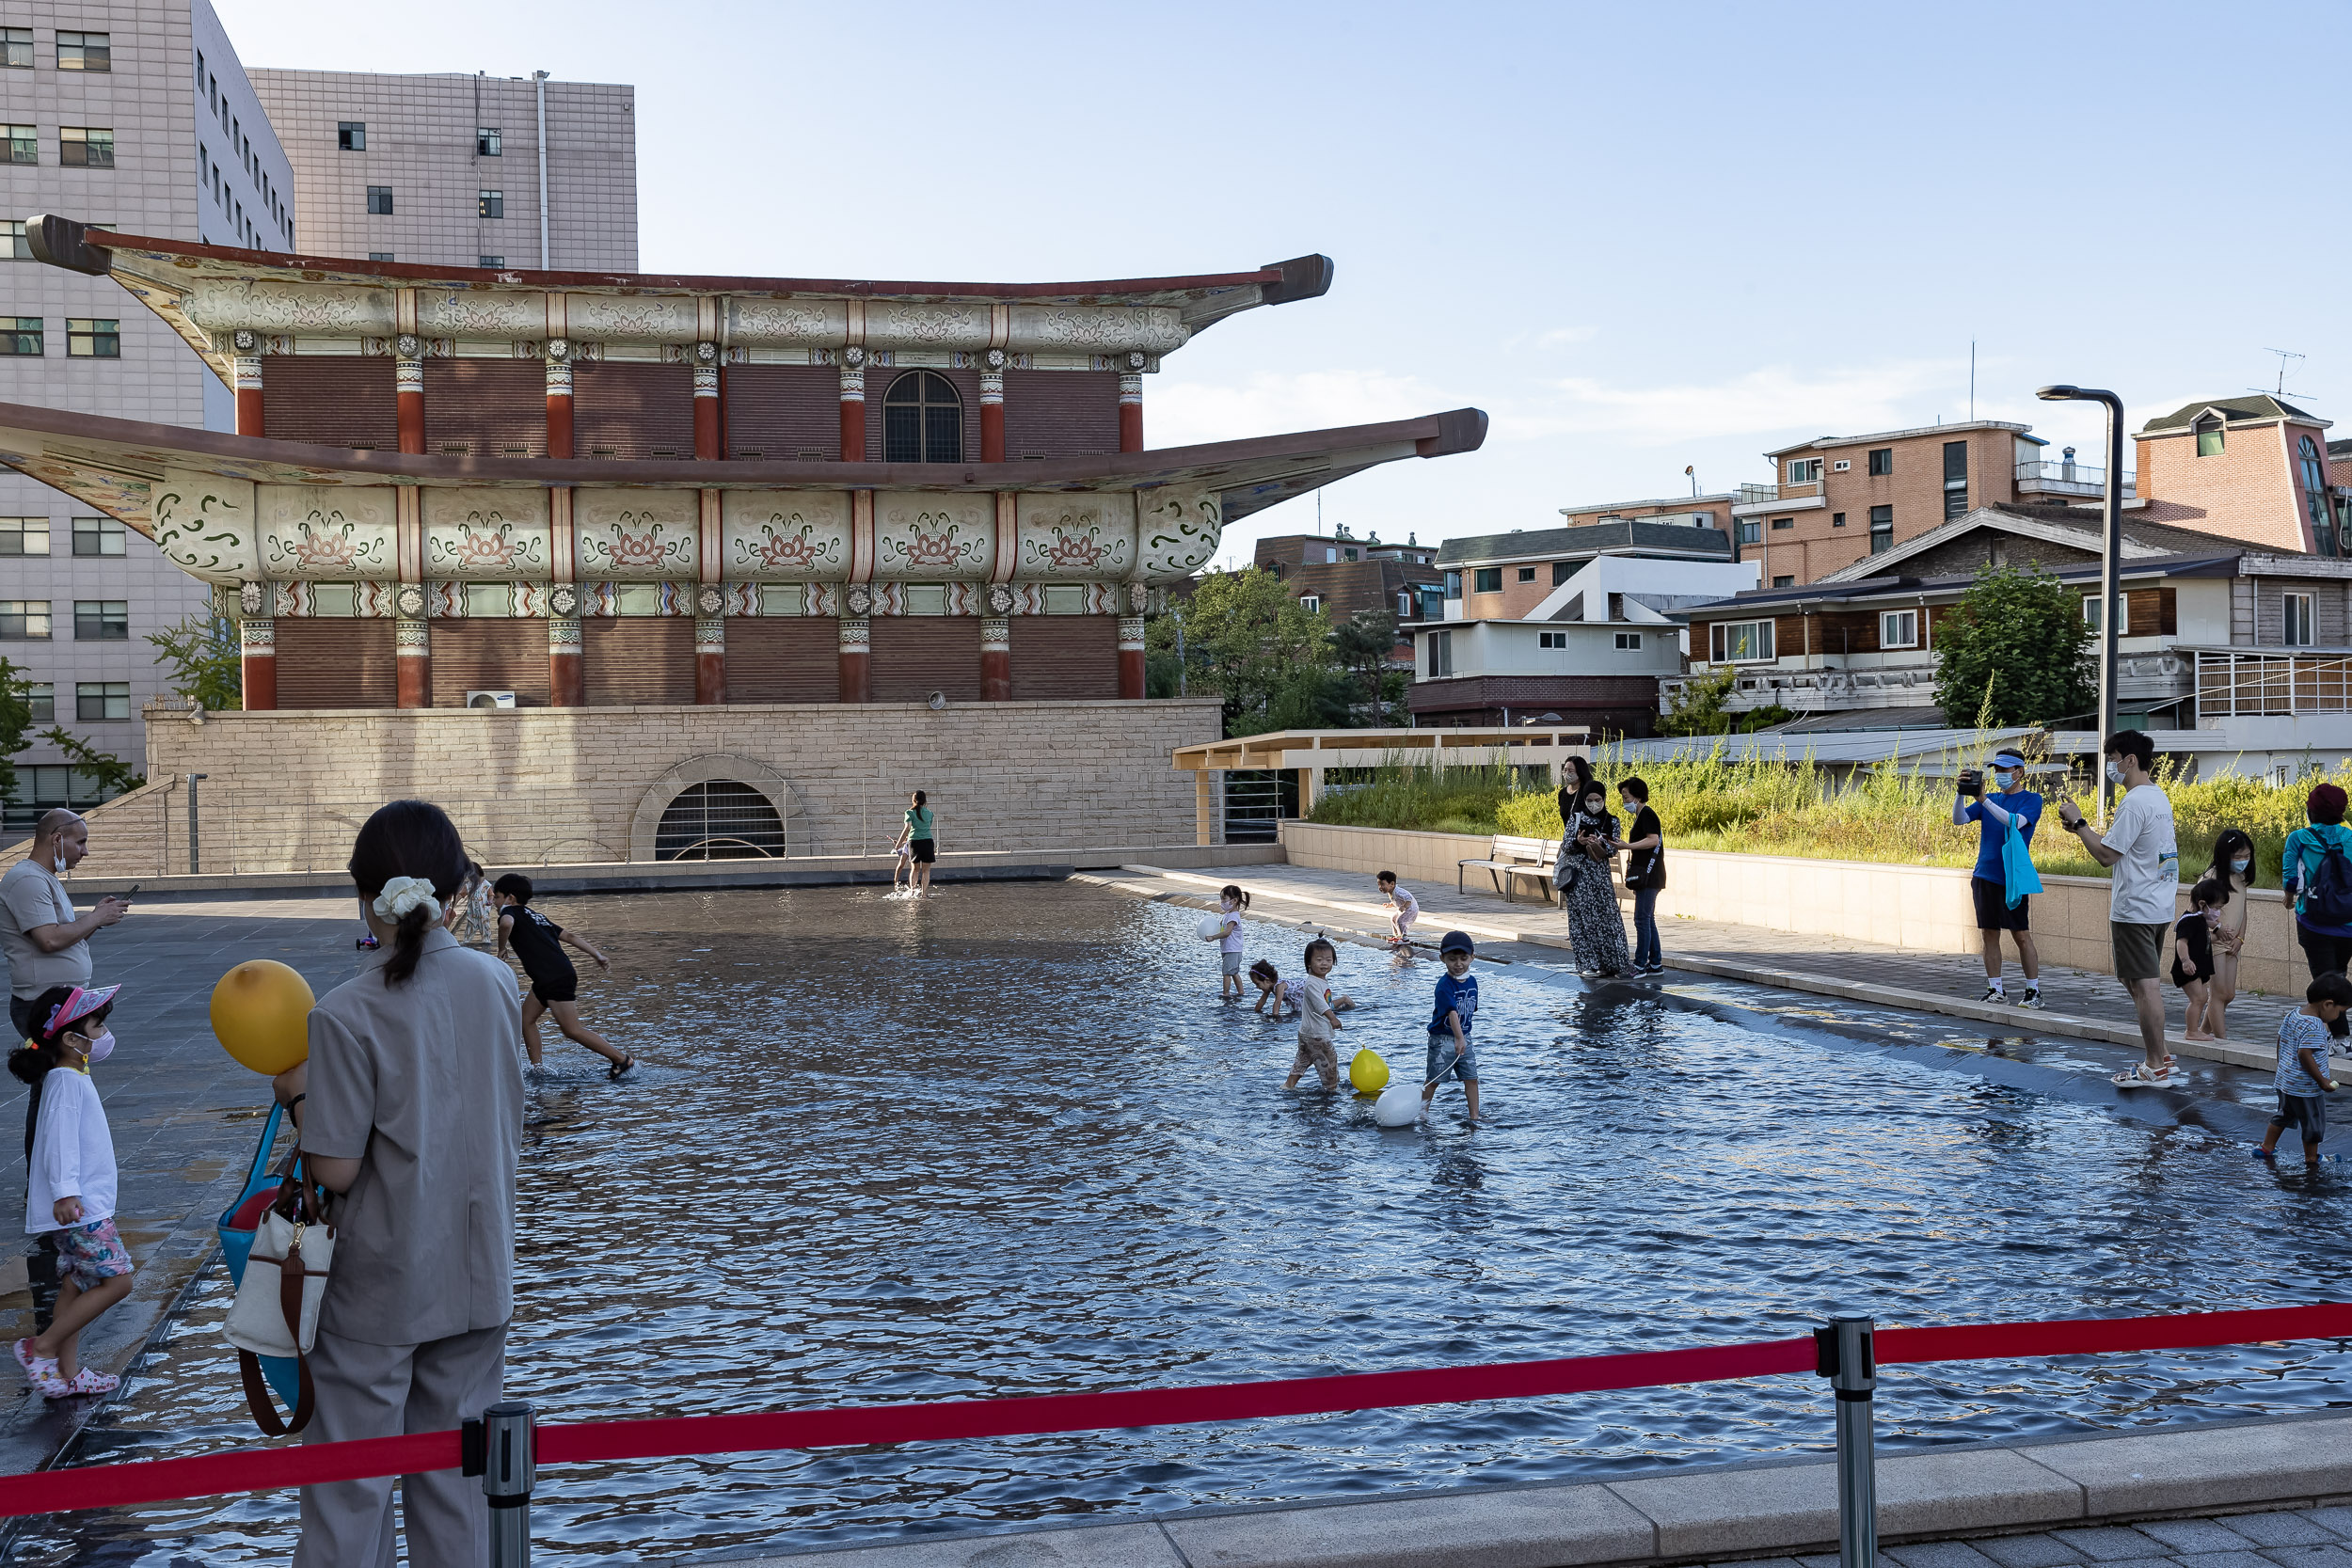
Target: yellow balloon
point(260, 1012)
point(1367, 1071)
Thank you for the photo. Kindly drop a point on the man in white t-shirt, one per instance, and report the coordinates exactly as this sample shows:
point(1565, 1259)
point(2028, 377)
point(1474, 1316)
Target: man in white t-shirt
point(2145, 859)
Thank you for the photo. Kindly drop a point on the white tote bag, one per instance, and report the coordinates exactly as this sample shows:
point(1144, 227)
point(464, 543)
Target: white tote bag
point(259, 1320)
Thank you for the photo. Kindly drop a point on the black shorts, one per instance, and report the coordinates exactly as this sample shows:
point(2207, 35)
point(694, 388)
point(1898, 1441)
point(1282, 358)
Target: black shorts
point(559, 987)
point(1993, 910)
point(924, 849)
point(2182, 976)
point(2307, 1112)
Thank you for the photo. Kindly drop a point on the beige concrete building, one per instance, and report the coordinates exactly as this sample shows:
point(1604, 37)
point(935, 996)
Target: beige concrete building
point(136, 115)
point(447, 170)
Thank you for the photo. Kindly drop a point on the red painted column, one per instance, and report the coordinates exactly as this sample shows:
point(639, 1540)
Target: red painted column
point(1131, 657)
point(707, 402)
point(559, 356)
point(257, 649)
point(710, 661)
point(857, 663)
point(995, 659)
point(412, 661)
point(246, 368)
point(853, 406)
point(993, 407)
point(1131, 411)
point(408, 391)
point(567, 683)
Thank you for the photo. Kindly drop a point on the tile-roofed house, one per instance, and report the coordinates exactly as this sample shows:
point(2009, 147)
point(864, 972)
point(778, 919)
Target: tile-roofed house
point(2254, 468)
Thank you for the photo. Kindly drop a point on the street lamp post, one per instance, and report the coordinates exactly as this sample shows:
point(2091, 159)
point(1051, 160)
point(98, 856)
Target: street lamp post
point(2110, 557)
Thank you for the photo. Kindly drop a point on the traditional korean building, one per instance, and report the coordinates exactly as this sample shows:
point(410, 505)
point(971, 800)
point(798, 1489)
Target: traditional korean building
point(579, 489)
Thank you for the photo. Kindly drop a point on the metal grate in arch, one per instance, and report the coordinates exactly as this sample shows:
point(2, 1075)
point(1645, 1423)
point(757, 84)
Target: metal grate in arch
point(719, 820)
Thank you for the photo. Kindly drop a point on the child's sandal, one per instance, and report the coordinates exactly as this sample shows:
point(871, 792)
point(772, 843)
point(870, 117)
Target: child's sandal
point(90, 1380)
point(614, 1071)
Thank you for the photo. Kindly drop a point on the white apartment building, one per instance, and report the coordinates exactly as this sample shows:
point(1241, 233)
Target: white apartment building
point(136, 115)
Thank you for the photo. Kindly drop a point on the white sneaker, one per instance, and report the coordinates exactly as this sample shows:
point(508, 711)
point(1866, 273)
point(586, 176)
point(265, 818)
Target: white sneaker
point(1993, 993)
point(2032, 998)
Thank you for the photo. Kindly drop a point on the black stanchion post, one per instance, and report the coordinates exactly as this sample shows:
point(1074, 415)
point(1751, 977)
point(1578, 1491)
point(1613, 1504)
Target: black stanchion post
point(502, 1449)
point(1846, 1358)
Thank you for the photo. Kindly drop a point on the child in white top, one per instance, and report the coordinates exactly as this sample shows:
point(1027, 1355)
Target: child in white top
point(1232, 900)
point(1318, 1017)
point(71, 1186)
point(1404, 909)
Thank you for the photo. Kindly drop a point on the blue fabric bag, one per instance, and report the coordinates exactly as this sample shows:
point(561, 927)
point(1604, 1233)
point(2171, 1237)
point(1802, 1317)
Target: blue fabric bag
point(2017, 866)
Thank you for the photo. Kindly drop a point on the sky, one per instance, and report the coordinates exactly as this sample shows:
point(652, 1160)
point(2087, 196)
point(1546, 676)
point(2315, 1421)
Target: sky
point(1640, 237)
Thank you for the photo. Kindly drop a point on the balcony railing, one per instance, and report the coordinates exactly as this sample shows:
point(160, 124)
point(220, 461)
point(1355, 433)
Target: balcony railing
point(2073, 479)
point(2248, 685)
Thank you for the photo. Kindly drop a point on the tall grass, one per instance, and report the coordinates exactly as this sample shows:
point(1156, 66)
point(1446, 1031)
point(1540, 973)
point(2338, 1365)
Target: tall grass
point(1888, 814)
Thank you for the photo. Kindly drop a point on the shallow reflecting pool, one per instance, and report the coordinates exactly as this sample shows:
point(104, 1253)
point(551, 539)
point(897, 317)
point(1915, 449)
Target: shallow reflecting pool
point(1011, 1142)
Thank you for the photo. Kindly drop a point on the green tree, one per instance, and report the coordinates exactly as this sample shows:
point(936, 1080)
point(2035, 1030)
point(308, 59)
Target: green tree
point(1248, 640)
point(206, 666)
point(109, 772)
point(1698, 708)
point(2015, 649)
point(16, 717)
point(1362, 644)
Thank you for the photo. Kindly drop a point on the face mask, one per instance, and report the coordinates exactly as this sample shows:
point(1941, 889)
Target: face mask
point(1630, 807)
point(2115, 772)
point(102, 1047)
point(2008, 782)
point(2239, 866)
point(1593, 807)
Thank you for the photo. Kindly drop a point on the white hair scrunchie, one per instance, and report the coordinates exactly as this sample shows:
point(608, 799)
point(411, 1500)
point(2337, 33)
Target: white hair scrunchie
point(402, 894)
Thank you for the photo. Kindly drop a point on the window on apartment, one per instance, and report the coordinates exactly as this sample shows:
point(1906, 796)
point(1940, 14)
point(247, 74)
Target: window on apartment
point(100, 700)
point(1561, 571)
point(86, 52)
point(102, 620)
point(381, 200)
point(351, 136)
point(1310, 603)
point(2090, 612)
point(1955, 479)
point(489, 261)
point(2316, 495)
point(486, 141)
point(1898, 628)
point(21, 334)
point(16, 48)
point(2208, 431)
point(1881, 530)
point(1881, 461)
point(1628, 641)
point(1350, 552)
point(23, 619)
point(1453, 585)
point(1551, 640)
point(1785, 582)
point(380, 255)
point(94, 338)
point(1527, 574)
point(1440, 654)
point(1751, 531)
point(23, 537)
point(42, 697)
point(1804, 470)
point(1490, 580)
point(23, 144)
point(98, 536)
point(2297, 624)
point(86, 147)
point(489, 204)
point(1783, 522)
point(1742, 642)
point(1837, 519)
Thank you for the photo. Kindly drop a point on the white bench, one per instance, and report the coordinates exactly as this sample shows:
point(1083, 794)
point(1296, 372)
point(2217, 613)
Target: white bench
point(1513, 858)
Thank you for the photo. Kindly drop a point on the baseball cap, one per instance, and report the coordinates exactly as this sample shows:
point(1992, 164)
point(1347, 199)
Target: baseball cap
point(1456, 942)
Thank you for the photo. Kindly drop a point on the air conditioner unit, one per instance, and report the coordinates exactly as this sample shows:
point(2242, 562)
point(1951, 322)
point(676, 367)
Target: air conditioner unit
point(489, 698)
point(1841, 465)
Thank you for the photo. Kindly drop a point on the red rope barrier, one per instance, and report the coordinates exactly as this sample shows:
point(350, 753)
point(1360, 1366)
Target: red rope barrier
point(256, 1469)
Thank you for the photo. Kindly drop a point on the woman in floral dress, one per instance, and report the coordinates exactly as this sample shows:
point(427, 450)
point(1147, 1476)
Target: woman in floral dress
point(1595, 928)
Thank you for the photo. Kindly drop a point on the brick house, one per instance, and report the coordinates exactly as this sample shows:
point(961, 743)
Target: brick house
point(1344, 577)
point(2251, 467)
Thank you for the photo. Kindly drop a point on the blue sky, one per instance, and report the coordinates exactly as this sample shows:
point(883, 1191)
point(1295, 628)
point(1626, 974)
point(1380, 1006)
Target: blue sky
point(1638, 236)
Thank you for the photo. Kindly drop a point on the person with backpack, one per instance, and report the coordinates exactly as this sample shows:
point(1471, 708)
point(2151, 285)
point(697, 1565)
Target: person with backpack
point(2316, 873)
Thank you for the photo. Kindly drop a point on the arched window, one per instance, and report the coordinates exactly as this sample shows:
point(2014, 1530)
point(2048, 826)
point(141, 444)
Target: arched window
point(2316, 497)
point(922, 420)
point(720, 820)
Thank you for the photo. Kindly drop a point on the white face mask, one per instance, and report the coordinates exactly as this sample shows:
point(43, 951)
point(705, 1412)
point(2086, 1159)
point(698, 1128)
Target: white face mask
point(102, 1047)
point(1593, 808)
point(2115, 772)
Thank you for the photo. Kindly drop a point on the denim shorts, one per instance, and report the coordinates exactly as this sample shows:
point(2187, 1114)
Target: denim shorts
point(1442, 1057)
point(1233, 962)
point(92, 1254)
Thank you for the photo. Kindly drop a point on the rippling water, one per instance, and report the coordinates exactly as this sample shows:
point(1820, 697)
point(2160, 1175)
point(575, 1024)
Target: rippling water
point(1011, 1143)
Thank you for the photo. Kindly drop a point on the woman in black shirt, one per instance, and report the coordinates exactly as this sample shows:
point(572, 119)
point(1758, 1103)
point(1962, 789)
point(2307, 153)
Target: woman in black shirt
point(1644, 873)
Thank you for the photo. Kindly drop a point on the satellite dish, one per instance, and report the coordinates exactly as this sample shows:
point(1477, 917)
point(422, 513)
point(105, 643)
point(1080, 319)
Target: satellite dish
point(938, 701)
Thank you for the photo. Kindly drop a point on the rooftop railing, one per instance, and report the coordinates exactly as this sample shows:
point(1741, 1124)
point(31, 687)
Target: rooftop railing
point(2250, 685)
point(2083, 477)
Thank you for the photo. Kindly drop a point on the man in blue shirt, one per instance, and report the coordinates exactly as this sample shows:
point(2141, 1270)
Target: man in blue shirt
point(1993, 813)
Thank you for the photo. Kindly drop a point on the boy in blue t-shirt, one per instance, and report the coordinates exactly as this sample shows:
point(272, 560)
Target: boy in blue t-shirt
point(2302, 1080)
point(1991, 812)
point(1450, 1054)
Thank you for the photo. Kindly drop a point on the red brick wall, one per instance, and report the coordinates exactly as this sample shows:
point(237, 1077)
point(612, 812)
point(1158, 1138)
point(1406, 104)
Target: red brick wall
point(335, 401)
point(784, 659)
point(335, 663)
point(489, 655)
point(781, 411)
point(2246, 490)
point(631, 408)
point(917, 655)
point(638, 659)
point(486, 407)
point(1065, 657)
point(1061, 413)
point(1813, 545)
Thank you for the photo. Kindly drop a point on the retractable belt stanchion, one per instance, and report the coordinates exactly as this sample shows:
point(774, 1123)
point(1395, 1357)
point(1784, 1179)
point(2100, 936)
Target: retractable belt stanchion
point(1847, 1359)
point(502, 1449)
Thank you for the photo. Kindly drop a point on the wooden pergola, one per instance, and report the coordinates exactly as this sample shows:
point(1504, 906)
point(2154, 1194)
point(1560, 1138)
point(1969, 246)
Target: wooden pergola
point(1309, 753)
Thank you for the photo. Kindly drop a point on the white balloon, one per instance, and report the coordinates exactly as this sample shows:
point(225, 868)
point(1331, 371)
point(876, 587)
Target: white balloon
point(1399, 1105)
point(1211, 925)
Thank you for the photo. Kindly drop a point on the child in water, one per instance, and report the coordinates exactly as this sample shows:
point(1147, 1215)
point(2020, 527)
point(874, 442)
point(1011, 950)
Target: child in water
point(1403, 910)
point(70, 1187)
point(1318, 1017)
point(554, 983)
point(1232, 900)
point(1271, 989)
point(1457, 1009)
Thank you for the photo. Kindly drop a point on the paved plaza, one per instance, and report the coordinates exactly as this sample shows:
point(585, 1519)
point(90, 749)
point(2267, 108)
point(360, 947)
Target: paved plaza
point(2306, 1537)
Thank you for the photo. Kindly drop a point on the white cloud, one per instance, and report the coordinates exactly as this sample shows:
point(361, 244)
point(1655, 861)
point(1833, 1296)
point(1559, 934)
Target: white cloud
point(1830, 402)
point(1271, 403)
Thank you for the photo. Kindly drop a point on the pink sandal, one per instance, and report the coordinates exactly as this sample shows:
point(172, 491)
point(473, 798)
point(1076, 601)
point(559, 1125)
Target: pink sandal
point(40, 1371)
point(89, 1380)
